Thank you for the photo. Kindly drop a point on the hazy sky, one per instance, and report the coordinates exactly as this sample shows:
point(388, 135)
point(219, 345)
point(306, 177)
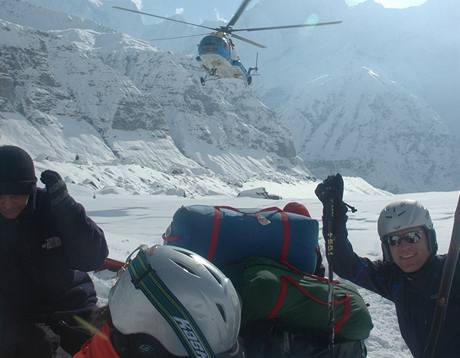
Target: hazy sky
point(199, 10)
point(391, 3)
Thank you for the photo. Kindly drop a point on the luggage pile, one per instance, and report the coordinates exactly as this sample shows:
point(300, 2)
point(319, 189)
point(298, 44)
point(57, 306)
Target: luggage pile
point(271, 256)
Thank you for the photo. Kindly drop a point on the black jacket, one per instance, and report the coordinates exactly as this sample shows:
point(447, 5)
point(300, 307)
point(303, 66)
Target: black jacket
point(43, 256)
point(412, 293)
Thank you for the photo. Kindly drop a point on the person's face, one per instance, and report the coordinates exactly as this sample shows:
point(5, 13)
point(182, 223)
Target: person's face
point(12, 205)
point(410, 257)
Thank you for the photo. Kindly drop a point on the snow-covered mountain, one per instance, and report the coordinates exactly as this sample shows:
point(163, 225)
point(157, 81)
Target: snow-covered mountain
point(416, 54)
point(130, 115)
point(362, 122)
point(324, 76)
point(99, 11)
point(348, 93)
point(419, 47)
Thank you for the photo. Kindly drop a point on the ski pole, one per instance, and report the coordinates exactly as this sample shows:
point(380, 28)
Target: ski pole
point(442, 300)
point(330, 210)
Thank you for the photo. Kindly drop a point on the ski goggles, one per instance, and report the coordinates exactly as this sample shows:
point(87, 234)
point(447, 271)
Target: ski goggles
point(410, 237)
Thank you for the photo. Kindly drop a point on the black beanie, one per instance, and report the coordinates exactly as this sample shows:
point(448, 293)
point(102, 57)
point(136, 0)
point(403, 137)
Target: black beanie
point(17, 173)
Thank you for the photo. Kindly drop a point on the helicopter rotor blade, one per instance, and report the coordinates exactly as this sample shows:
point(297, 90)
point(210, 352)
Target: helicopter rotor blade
point(164, 18)
point(238, 13)
point(178, 37)
point(241, 38)
point(287, 26)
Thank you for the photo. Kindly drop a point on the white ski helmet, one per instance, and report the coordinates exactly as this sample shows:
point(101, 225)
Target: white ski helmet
point(402, 215)
point(205, 292)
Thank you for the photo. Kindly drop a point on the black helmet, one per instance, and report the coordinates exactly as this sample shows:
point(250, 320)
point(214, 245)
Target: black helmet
point(17, 173)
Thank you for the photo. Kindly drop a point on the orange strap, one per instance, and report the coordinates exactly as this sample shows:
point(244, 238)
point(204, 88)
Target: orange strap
point(99, 346)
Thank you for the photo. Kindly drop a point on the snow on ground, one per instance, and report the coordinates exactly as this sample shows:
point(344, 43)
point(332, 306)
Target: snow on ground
point(129, 221)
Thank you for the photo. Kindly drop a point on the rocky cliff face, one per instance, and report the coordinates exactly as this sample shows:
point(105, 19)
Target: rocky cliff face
point(104, 99)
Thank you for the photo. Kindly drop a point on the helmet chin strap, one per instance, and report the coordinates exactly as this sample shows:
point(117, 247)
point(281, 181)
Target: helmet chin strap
point(432, 243)
point(387, 257)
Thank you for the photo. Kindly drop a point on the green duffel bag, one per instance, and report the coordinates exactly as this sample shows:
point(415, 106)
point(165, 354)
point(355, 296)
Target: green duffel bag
point(298, 302)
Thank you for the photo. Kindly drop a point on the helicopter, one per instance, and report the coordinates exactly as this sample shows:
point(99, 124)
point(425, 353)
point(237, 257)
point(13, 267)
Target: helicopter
point(216, 51)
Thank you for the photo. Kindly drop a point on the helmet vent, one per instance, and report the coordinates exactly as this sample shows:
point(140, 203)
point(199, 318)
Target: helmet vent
point(189, 254)
point(186, 268)
point(402, 212)
point(218, 279)
point(222, 312)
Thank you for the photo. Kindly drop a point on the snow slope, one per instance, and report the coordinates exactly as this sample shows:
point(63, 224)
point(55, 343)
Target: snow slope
point(129, 221)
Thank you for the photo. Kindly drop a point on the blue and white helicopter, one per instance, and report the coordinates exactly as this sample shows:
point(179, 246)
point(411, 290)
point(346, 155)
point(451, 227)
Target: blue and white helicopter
point(216, 51)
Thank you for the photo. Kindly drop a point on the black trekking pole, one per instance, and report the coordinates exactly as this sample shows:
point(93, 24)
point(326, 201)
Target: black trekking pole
point(330, 193)
point(329, 209)
point(442, 299)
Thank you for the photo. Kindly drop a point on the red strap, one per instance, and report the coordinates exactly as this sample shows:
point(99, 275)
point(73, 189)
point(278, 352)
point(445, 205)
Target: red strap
point(345, 315)
point(272, 208)
point(308, 294)
point(346, 301)
point(111, 265)
point(280, 300)
point(284, 220)
point(300, 272)
point(218, 220)
point(171, 238)
point(215, 233)
point(286, 237)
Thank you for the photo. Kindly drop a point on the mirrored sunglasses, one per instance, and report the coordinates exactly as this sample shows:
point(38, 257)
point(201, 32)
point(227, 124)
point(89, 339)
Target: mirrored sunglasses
point(410, 237)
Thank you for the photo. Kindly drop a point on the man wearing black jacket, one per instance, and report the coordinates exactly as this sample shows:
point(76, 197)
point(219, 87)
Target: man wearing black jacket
point(409, 274)
point(47, 244)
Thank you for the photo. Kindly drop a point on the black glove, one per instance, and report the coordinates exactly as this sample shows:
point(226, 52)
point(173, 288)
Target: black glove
point(330, 189)
point(330, 193)
point(55, 187)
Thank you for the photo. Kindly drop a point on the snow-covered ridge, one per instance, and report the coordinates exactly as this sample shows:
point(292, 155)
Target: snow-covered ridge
point(375, 59)
point(97, 11)
point(42, 18)
point(110, 110)
point(376, 96)
point(365, 123)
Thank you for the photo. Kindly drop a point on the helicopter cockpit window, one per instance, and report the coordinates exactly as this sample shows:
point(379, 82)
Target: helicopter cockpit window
point(212, 44)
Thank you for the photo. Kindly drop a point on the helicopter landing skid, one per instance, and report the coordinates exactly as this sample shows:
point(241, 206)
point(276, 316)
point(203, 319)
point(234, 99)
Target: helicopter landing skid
point(203, 80)
point(212, 74)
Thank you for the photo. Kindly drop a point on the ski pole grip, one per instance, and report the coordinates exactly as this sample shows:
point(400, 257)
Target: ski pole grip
point(329, 207)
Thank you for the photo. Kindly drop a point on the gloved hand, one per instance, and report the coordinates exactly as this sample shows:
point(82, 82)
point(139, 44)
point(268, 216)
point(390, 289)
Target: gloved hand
point(55, 187)
point(330, 189)
point(330, 193)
